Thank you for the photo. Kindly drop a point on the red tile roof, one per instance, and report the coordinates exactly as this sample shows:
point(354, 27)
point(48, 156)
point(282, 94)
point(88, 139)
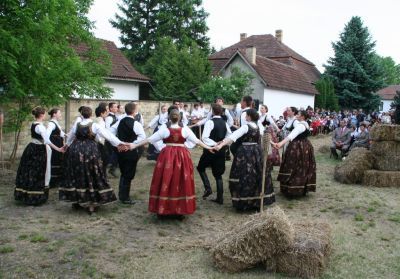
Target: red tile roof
point(121, 68)
point(296, 73)
point(389, 92)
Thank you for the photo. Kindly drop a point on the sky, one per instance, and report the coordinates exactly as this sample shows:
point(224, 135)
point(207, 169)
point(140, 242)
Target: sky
point(309, 26)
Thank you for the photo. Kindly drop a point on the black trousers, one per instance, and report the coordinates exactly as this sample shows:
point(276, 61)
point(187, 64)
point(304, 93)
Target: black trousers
point(216, 161)
point(127, 164)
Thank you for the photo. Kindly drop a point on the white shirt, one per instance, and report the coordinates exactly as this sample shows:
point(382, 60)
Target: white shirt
point(208, 127)
point(299, 127)
point(243, 114)
point(137, 128)
point(41, 130)
point(96, 129)
point(229, 119)
point(158, 120)
point(163, 132)
point(242, 131)
point(120, 116)
point(100, 121)
point(269, 118)
point(52, 125)
point(109, 120)
point(197, 113)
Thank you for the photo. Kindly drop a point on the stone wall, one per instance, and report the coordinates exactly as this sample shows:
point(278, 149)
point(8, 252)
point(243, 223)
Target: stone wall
point(70, 111)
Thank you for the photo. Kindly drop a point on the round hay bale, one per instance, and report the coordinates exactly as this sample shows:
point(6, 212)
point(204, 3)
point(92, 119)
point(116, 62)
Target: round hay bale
point(263, 236)
point(385, 132)
point(378, 178)
point(352, 169)
point(324, 149)
point(309, 255)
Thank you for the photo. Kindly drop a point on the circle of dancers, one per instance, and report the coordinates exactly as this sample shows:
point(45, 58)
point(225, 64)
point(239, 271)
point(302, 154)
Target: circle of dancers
point(77, 162)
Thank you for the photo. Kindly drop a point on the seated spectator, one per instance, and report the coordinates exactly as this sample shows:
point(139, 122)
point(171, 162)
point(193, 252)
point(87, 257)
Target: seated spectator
point(341, 140)
point(362, 138)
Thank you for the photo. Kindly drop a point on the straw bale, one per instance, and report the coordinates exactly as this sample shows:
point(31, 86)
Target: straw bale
point(385, 148)
point(387, 163)
point(382, 178)
point(352, 169)
point(263, 236)
point(309, 255)
point(384, 132)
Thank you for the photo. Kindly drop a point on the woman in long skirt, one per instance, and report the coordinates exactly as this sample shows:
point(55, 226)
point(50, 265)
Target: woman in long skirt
point(297, 174)
point(245, 178)
point(274, 159)
point(57, 138)
point(84, 182)
point(34, 170)
point(172, 187)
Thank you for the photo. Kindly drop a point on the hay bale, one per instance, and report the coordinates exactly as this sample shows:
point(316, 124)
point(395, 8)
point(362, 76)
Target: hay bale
point(387, 163)
point(385, 148)
point(382, 178)
point(324, 149)
point(263, 236)
point(309, 255)
point(385, 132)
point(352, 169)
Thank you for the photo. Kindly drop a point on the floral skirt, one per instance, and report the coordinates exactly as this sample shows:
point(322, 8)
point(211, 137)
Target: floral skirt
point(84, 180)
point(297, 174)
point(245, 179)
point(30, 181)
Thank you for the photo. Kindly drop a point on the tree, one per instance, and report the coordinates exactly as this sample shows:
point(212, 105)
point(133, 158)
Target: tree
point(354, 71)
point(390, 71)
point(327, 98)
point(232, 88)
point(38, 66)
point(177, 72)
point(144, 22)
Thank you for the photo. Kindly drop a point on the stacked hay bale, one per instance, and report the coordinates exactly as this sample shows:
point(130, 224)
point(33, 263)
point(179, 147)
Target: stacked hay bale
point(379, 166)
point(302, 249)
point(385, 148)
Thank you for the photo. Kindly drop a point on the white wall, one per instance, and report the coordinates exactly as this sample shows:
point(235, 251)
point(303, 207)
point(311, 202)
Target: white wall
point(386, 105)
point(278, 100)
point(124, 90)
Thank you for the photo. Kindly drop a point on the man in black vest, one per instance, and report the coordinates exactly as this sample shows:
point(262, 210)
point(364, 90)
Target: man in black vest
point(128, 130)
point(215, 130)
point(110, 120)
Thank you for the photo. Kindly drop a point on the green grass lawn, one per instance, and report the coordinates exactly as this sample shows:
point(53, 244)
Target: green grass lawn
point(119, 241)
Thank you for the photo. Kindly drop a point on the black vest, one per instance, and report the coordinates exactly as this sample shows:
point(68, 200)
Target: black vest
point(138, 117)
point(219, 131)
point(223, 115)
point(125, 130)
point(35, 135)
point(56, 132)
point(114, 118)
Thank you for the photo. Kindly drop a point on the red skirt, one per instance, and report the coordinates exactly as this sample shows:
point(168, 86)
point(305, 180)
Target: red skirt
point(172, 187)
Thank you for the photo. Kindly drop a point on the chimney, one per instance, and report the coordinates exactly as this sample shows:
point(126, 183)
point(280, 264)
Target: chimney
point(243, 36)
point(278, 35)
point(251, 54)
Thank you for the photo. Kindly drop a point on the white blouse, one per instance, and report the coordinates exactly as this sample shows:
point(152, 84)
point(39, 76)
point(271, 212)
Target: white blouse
point(96, 129)
point(163, 133)
point(51, 126)
point(41, 130)
point(158, 120)
point(299, 127)
point(243, 130)
point(269, 118)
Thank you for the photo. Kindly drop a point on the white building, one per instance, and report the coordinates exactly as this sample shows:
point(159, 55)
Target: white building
point(387, 95)
point(125, 81)
point(282, 77)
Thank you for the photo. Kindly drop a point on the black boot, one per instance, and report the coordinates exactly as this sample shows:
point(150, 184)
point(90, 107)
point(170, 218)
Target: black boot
point(206, 183)
point(220, 191)
point(124, 189)
point(334, 154)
